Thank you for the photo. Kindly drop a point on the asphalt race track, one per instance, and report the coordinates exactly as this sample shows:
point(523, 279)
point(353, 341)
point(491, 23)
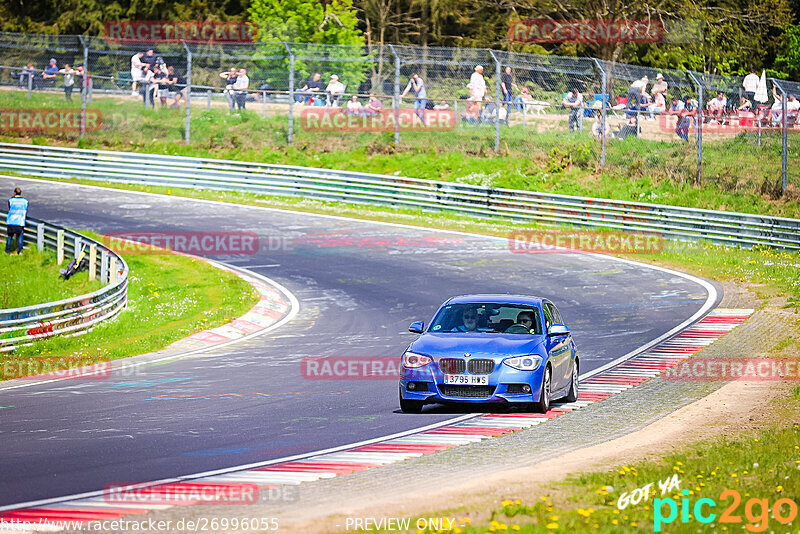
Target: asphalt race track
point(359, 285)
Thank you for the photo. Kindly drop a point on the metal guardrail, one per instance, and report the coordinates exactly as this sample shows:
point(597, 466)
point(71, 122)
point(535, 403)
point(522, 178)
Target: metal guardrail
point(72, 316)
point(729, 228)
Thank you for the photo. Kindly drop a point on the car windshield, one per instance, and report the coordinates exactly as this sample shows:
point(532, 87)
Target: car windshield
point(487, 318)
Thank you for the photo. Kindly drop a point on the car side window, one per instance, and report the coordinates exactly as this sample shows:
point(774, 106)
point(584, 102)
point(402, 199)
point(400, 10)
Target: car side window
point(556, 315)
point(548, 317)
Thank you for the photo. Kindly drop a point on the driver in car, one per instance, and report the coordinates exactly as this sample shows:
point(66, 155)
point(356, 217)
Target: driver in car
point(524, 319)
point(469, 318)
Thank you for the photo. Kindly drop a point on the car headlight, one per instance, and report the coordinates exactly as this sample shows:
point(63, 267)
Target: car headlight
point(412, 360)
point(524, 363)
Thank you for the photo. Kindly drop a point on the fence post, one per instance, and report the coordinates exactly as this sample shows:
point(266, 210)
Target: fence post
point(497, 74)
point(188, 126)
point(784, 134)
point(396, 97)
point(208, 108)
point(603, 107)
point(290, 134)
point(60, 246)
point(699, 123)
point(103, 266)
point(92, 262)
point(84, 93)
point(40, 236)
point(30, 84)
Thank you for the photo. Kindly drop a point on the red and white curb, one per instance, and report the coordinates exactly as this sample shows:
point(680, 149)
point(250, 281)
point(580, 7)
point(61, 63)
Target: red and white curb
point(609, 382)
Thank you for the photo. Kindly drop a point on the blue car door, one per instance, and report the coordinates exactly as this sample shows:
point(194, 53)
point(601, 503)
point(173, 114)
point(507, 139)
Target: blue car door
point(558, 347)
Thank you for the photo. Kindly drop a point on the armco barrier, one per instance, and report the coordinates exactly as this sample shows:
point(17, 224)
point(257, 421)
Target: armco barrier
point(722, 227)
point(20, 326)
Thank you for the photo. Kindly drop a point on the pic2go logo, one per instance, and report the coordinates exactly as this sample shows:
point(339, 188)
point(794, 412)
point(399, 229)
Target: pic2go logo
point(757, 511)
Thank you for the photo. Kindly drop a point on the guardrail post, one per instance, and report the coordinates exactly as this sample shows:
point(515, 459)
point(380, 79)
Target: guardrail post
point(208, 107)
point(30, 84)
point(90, 91)
point(92, 262)
point(396, 98)
point(85, 82)
point(40, 236)
point(188, 126)
point(112, 270)
point(784, 134)
point(60, 246)
point(497, 74)
point(290, 134)
point(603, 107)
point(103, 266)
point(76, 246)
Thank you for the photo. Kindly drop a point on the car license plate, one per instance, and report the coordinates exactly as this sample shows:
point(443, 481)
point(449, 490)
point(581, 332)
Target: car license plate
point(467, 380)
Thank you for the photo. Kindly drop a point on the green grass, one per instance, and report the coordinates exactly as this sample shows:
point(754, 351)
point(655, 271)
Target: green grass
point(758, 465)
point(169, 297)
point(32, 278)
point(551, 160)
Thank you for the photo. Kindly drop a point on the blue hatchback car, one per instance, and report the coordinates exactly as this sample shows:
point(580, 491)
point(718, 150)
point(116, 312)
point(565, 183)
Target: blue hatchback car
point(490, 348)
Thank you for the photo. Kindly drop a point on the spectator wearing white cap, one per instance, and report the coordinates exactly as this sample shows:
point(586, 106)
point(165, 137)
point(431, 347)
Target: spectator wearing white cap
point(477, 85)
point(660, 86)
point(335, 90)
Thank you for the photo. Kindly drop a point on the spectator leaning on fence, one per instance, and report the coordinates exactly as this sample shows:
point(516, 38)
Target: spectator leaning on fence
point(50, 73)
point(161, 79)
point(574, 101)
point(240, 88)
point(685, 117)
point(374, 106)
point(28, 75)
point(416, 85)
point(69, 80)
point(136, 71)
point(477, 85)
point(147, 85)
point(177, 86)
point(15, 221)
point(523, 98)
point(716, 108)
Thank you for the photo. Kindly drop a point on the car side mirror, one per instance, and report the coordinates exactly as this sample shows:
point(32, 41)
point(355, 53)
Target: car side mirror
point(416, 327)
point(558, 330)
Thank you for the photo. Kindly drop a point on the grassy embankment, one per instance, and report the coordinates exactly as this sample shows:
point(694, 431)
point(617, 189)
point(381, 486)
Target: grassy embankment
point(550, 160)
point(170, 296)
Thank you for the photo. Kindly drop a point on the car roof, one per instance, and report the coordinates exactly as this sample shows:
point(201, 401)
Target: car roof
point(497, 298)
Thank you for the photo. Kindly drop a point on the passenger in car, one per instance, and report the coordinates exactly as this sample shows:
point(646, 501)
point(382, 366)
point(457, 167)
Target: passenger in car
point(469, 317)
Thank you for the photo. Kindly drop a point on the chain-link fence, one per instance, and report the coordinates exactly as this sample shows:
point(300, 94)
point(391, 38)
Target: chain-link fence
point(680, 125)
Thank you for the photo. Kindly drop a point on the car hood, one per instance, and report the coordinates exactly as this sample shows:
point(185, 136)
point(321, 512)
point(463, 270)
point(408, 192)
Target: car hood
point(455, 345)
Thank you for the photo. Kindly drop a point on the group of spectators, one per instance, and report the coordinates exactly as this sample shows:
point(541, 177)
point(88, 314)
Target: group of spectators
point(33, 78)
point(153, 77)
point(236, 85)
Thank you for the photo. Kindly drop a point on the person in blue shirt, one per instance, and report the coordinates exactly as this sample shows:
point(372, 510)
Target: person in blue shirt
point(15, 221)
point(50, 73)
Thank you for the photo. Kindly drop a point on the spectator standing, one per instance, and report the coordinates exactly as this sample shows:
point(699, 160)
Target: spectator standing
point(150, 58)
point(136, 71)
point(148, 88)
point(685, 117)
point(637, 93)
point(574, 101)
point(50, 73)
point(335, 91)
point(420, 95)
point(477, 85)
point(161, 80)
point(230, 77)
point(240, 88)
point(69, 80)
point(29, 74)
point(660, 86)
point(310, 89)
point(15, 221)
point(750, 85)
point(506, 84)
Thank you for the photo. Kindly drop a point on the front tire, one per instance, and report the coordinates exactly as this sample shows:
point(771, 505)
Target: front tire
point(543, 404)
point(572, 396)
point(410, 406)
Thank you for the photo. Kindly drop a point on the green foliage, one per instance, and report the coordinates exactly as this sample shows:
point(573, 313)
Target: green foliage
point(789, 56)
